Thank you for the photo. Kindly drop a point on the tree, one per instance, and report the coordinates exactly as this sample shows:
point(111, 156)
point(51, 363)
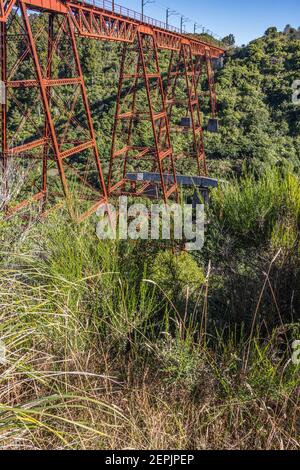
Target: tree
point(289, 29)
point(229, 40)
point(271, 31)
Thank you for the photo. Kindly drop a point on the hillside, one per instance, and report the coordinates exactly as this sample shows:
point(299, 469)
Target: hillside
point(259, 122)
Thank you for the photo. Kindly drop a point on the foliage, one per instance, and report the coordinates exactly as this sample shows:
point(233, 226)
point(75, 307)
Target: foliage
point(259, 122)
point(250, 207)
point(177, 274)
point(229, 40)
point(95, 358)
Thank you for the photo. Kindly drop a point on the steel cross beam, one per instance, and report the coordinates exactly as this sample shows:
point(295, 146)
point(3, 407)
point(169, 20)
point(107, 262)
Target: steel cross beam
point(92, 18)
point(52, 142)
point(182, 180)
point(56, 142)
point(141, 99)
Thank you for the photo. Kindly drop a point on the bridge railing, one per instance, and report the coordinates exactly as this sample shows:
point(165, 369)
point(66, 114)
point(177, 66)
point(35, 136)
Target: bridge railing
point(124, 11)
point(113, 7)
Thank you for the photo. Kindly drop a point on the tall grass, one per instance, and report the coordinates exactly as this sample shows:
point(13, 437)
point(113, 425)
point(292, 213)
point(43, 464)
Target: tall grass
point(251, 206)
point(113, 346)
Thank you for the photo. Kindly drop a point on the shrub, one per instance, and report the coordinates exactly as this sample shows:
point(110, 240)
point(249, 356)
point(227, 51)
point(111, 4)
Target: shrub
point(177, 275)
point(251, 207)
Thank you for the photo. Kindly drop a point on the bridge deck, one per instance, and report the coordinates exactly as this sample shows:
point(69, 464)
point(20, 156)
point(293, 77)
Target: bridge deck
point(182, 180)
point(103, 19)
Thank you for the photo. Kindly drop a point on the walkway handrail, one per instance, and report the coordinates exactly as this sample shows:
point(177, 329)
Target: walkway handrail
point(113, 7)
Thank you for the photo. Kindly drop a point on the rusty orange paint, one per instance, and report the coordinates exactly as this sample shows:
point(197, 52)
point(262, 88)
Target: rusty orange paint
point(145, 36)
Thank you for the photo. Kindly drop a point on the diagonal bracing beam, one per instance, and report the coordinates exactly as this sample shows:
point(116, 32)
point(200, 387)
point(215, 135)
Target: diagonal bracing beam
point(141, 98)
point(182, 67)
point(53, 142)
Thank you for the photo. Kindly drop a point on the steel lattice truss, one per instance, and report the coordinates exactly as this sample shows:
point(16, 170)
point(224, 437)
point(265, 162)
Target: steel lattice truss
point(46, 126)
point(143, 100)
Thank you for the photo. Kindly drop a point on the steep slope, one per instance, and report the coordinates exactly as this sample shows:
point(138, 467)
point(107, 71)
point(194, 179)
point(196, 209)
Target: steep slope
point(259, 121)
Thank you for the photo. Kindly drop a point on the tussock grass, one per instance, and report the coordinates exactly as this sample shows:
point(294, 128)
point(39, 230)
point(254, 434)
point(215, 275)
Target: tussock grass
point(106, 347)
point(251, 206)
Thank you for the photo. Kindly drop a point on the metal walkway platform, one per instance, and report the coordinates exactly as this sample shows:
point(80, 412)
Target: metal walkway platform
point(182, 180)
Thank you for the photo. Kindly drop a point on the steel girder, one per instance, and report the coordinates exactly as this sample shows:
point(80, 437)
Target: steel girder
point(97, 24)
point(62, 136)
point(182, 68)
point(49, 145)
point(141, 108)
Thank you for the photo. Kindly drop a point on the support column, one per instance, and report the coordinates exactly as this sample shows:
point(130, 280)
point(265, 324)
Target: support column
point(140, 72)
point(57, 142)
point(46, 127)
point(44, 96)
point(211, 83)
point(182, 66)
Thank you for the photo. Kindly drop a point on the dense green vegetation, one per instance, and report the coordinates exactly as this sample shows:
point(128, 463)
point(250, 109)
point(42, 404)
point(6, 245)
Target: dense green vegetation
point(125, 345)
point(137, 345)
point(260, 122)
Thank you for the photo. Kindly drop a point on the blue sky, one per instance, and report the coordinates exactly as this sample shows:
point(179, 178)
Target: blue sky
point(245, 19)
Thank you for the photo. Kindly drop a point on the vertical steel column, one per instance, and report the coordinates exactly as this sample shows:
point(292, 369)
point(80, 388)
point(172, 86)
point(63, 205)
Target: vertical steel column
point(146, 58)
point(198, 71)
point(194, 108)
point(165, 121)
point(45, 101)
point(46, 127)
point(182, 64)
point(45, 83)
